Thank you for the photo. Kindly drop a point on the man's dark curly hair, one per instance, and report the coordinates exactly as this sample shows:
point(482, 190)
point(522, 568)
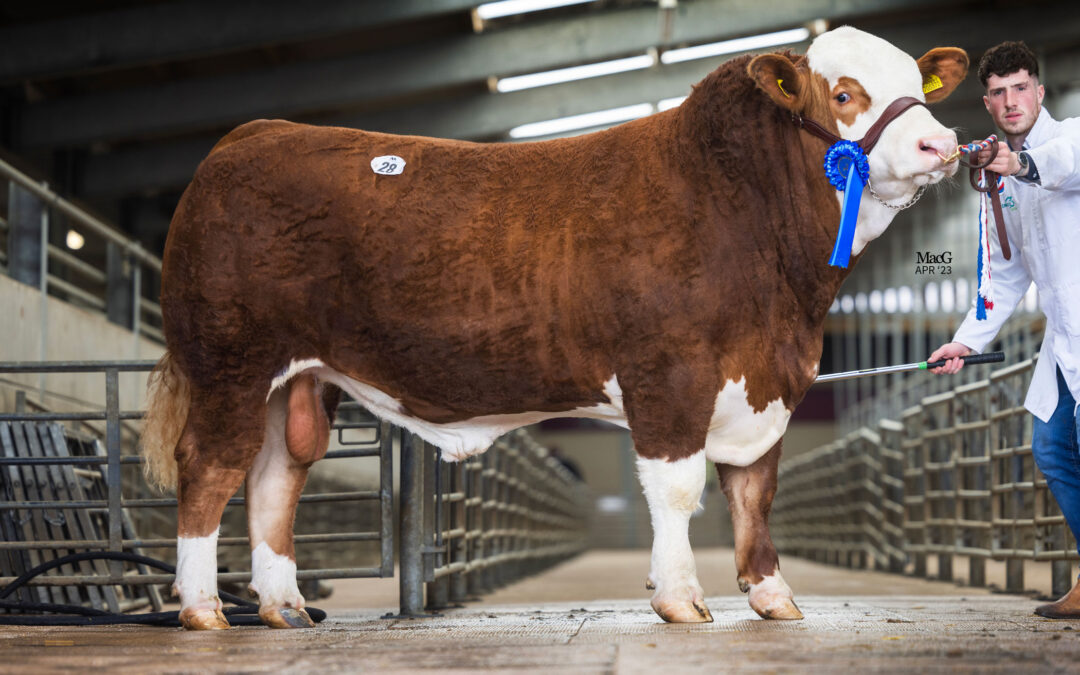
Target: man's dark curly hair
point(1006, 59)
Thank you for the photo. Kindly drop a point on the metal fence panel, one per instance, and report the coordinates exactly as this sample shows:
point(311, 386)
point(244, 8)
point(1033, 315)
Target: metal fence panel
point(954, 476)
point(466, 527)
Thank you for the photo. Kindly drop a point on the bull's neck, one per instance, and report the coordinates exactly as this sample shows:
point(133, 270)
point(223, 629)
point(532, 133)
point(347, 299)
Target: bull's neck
point(758, 162)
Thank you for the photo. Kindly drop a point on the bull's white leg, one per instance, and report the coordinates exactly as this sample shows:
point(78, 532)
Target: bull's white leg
point(196, 582)
point(297, 433)
point(203, 491)
point(673, 491)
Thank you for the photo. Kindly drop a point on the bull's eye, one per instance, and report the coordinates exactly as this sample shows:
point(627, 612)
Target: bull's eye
point(843, 98)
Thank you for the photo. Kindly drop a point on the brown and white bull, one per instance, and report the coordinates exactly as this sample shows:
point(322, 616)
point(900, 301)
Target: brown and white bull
point(668, 275)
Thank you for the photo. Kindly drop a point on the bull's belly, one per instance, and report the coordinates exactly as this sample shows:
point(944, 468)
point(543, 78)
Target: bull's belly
point(737, 433)
point(457, 440)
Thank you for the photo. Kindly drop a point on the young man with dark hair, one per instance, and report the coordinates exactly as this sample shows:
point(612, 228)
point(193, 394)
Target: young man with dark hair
point(1041, 200)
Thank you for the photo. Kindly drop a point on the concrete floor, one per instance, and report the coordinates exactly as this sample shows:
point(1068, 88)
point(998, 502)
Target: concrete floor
point(591, 615)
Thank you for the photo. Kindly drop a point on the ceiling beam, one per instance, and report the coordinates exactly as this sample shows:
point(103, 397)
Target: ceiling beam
point(155, 166)
point(173, 31)
point(467, 117)
point(303, 88)
point(480, 116)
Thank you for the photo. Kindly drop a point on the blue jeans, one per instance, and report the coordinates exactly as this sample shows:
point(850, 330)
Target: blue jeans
point(1056, 447)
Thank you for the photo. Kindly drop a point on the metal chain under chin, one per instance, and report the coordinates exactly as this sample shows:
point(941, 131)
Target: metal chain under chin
point(911, 202)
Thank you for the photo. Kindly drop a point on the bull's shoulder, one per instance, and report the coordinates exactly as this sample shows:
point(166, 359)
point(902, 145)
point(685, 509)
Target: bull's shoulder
point(254, 128)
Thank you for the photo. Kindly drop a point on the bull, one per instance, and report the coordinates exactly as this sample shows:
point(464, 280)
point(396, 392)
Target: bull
point(668, 275)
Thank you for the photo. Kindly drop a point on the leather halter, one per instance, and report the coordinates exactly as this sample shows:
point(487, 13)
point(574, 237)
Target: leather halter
point(868, 141)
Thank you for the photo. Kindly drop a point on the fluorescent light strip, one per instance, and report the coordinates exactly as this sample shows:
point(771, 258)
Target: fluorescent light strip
point(593, 119)
point(574, 73)
point(737, 45)
point(493, 10)
point(669, 103)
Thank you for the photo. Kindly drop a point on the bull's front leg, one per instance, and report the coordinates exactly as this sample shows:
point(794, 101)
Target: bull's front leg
point(673, 491)
point(750, 491)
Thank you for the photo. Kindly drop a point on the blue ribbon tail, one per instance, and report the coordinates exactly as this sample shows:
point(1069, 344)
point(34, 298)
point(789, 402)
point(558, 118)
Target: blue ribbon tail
point(980, 309)
point(849, 213)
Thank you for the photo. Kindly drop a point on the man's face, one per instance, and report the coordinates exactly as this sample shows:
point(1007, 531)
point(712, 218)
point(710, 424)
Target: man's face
point(1013, 101)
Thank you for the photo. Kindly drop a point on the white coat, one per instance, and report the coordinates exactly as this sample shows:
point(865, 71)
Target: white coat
point(1043, 224)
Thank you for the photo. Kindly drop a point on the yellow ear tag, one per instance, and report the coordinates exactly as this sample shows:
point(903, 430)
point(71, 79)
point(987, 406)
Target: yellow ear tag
point(930, 83)
point(780, 83)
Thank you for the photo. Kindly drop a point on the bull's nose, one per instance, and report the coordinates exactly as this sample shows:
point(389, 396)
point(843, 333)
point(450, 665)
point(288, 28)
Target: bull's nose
point(941, 145)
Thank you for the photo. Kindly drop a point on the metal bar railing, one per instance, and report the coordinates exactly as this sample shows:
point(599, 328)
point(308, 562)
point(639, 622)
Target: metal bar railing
point(954, 476)
point(91, 223)
point(494, 518)
point(466, 527)
point(117, 504)
point(87, 283)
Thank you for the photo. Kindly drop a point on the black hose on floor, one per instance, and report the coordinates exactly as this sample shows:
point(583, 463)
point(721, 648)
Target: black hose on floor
point(244, 614)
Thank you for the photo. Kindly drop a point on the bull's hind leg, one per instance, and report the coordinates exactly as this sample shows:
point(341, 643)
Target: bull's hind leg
point(750, 491)
point(222, 435)
point(297, 434)
point(673, 491)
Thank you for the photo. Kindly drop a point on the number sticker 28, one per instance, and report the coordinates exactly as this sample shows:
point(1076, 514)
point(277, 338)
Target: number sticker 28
point(388, 165)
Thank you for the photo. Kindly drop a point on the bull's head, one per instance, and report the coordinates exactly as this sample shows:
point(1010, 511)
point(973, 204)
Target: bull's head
point(845, 82)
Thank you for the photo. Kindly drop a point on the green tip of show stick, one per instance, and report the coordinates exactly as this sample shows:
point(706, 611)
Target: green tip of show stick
point(922, 365)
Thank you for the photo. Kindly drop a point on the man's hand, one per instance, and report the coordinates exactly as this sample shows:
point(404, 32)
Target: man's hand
point(1005, 163)
point(952, 352)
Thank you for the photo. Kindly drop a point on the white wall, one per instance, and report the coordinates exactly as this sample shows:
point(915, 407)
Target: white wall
point(66, 334)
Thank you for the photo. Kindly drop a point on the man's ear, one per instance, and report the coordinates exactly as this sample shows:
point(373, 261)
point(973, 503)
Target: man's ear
point(942, 69)
point(777, 76)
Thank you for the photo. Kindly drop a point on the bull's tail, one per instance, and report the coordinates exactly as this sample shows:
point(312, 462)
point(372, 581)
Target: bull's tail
point(168, 400)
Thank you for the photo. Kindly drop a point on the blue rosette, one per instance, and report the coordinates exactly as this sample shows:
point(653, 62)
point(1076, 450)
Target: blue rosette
point(848, 170)
point(839, 159)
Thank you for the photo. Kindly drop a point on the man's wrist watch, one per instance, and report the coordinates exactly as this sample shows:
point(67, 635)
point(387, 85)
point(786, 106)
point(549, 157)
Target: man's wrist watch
point(1025, 164)
point(1029, 173)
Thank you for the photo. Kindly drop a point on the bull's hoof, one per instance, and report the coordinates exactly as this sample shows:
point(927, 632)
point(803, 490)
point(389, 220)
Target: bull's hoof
point(785, 610)
point(203, 619)
point(286, 617)
point(683, 612)
point(649, 585)
point(771, 598)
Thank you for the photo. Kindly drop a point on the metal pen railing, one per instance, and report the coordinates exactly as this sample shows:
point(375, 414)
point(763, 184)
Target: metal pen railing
point(958, 467)
point(61, 272)
point(1019, 340)
point(466, 528)
point(496, 517)
point(118, 507)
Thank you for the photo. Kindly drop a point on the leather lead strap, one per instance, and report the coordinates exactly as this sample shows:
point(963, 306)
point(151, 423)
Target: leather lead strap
point(995, 198)
point(999, 218)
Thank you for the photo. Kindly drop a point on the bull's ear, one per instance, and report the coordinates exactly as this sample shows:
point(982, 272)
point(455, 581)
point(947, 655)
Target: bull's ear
point(777, 76)
point(942, 69)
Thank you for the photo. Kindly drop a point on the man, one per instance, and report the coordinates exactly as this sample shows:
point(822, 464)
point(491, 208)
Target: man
point(1041, 162)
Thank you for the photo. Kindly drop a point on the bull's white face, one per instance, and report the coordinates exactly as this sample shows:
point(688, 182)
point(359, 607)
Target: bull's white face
point(885, 74)
point(848, 79)
point(864, 74)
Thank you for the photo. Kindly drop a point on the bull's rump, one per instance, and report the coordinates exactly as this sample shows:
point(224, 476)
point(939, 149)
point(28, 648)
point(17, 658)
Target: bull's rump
point(484, 279)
